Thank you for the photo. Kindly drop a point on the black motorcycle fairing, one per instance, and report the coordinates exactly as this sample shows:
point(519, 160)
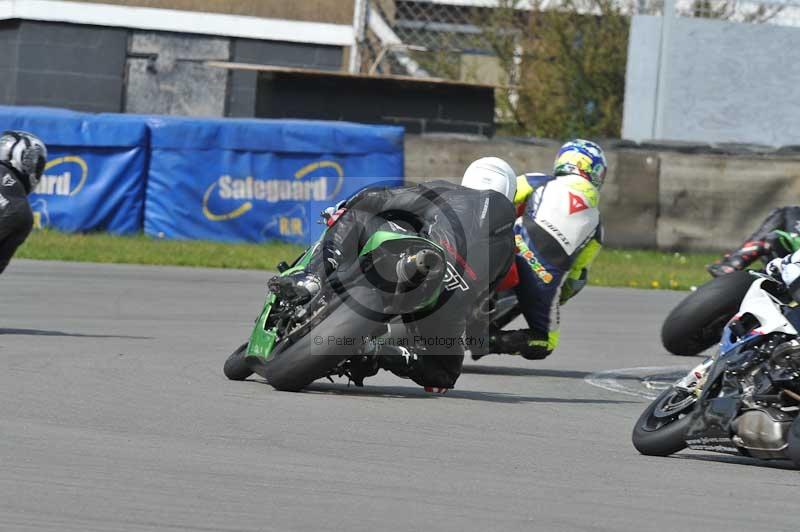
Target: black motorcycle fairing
point(793, 315)
point(710, 428)
point(723, 401)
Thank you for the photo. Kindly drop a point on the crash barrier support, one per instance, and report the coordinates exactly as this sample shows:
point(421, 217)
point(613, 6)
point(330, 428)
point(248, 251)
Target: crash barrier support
point(211, 179)
point(96, 169)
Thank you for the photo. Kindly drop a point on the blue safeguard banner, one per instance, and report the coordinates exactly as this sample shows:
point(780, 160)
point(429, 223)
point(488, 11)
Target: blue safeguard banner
point(260, 180)
point(97, 165)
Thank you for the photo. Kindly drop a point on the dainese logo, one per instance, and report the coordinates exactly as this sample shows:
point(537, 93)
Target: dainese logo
point(64, 176)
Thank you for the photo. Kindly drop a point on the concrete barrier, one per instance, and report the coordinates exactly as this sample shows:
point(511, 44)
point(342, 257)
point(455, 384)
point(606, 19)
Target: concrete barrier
point(629, 203)
point(715, 201)
point(447, 156)
point(655, 197)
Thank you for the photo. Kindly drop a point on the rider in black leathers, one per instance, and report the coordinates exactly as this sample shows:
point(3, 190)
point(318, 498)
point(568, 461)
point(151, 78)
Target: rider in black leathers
point(22, 160)
point(474, 227)
point(762, 243)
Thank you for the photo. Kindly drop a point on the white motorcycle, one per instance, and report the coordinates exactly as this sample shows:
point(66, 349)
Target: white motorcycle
point(743, 400)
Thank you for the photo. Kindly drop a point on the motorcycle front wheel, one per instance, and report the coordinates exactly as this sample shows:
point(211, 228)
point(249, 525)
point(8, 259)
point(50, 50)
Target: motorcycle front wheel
point(661, 429)
point(236, 367)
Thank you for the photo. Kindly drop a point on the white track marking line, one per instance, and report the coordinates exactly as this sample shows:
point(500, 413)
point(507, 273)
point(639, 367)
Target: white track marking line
point(610, 379)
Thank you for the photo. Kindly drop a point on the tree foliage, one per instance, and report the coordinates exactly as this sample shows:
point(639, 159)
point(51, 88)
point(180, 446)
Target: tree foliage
point(566, 66)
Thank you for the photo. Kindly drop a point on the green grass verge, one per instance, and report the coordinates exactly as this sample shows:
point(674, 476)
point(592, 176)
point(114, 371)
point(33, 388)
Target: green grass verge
point(651, 269)
point(638, 269)
point(98, 247)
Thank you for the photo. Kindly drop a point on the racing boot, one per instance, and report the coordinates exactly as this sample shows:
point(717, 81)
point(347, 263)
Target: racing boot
point(399, 360)
point(485, 345)
point(406, 364)
point(297, 288)
point(740, 259)
point(361, 367)
point(376, 356)
point(522, 342)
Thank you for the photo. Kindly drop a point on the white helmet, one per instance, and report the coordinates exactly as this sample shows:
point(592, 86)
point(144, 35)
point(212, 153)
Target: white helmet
point(491, 173)
point(25, 153)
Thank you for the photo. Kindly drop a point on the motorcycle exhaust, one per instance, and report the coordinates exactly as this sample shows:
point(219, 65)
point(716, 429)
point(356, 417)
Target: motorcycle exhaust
point(761, 434)
point(414, 269)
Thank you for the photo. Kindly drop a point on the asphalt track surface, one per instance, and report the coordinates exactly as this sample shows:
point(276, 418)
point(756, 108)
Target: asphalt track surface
point(115, 415)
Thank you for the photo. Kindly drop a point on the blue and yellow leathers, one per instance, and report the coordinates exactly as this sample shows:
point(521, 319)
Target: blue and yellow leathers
point(558, 235)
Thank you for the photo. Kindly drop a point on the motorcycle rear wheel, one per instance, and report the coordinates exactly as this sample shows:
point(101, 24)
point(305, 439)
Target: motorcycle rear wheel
point(339, 336)
point(696, 323)
point(661, 429)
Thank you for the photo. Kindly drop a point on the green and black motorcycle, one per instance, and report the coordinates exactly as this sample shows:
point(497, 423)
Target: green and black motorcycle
point(397, 272)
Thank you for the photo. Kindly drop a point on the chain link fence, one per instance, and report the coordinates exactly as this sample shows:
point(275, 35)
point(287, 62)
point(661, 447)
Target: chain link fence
point(448, 38)
point(426, 38)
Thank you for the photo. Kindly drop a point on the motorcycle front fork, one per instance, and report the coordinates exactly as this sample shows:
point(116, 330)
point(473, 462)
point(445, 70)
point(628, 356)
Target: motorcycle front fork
point(693, 382)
